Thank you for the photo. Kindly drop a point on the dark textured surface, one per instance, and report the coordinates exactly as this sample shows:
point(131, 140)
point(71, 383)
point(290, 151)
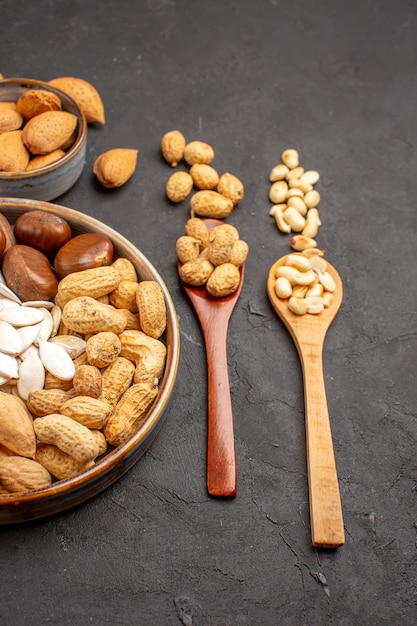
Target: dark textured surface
point(338, 82)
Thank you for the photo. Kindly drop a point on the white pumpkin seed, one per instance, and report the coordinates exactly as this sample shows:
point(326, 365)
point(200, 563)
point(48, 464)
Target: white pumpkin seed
point(22, 316)
point(56, 313)
point(8, 366)
point(45, 327)
point(27, 335)
point(10, 341)
point(71, 343)
point(31, 375)
point(25, 353)
point(6, 303)
point(37, 304)
point(8, 293)
point(56, 360)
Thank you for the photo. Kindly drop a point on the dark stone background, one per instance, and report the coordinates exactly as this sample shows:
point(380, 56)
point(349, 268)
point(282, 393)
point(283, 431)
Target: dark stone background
point(336, 80)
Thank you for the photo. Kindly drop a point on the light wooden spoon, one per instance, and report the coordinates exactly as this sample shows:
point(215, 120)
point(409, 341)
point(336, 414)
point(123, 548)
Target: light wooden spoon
point(309, 332)
point(214, 315)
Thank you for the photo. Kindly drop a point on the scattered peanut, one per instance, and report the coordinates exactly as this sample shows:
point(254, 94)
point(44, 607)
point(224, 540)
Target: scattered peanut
point(295, 200)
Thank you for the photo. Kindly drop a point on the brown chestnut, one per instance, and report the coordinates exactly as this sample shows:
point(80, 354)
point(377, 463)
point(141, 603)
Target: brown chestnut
point(7, 232)
point(83, 252)
point(29, 274)
point(44, 231)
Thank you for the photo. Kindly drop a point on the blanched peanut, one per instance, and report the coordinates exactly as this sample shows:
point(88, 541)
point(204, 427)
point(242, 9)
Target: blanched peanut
point(277, 212)
point(278, 191)
point(283, 287)
point(300, 280)
point(290, 158)
point(297, 172)
point(311, 176)
point(301, 242)
point(299, 306)
point(298, 203)
point(294, 219)
point(312, 199)
point(298, 261)
point(279, 172)
point(311, 227)
point(297, 183)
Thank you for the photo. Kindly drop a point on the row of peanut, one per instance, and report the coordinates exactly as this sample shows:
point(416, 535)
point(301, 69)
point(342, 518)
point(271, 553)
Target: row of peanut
point(208, 257)
point(112, 326)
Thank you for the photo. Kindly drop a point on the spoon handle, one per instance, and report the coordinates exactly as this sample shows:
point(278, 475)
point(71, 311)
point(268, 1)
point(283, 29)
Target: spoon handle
point(221, 457)
point(325, 507)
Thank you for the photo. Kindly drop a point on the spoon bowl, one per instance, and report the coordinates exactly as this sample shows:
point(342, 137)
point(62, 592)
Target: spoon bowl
point(214, 314)
point(309, 332)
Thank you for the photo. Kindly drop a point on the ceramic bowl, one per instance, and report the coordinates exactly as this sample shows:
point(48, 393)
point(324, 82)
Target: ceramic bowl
point(50, 181)
point(65, 494)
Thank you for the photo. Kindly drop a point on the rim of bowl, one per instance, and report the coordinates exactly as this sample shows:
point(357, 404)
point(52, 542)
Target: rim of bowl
point(29, 83)
point(114, 457)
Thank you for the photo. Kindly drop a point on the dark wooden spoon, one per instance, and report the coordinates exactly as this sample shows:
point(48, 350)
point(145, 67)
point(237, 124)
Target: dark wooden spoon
point(214, 315)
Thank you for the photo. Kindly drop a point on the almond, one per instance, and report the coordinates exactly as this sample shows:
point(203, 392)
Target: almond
point(49, 131)
point(45, 159)
point(114, 167)
point(35, 101)
point(13, 153)
point(10, 120)
point(84, 95)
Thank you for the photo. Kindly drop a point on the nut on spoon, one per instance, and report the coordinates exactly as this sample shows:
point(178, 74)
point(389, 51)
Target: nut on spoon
point(309, 332)
point(214, 314)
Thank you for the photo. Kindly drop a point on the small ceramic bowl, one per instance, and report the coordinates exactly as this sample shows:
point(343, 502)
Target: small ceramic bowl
point(65, 494)
point(50, 181)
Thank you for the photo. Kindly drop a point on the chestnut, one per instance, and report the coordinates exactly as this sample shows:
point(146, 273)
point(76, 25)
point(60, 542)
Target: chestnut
point(29, 274)
point(83, 252)
point(44, 231)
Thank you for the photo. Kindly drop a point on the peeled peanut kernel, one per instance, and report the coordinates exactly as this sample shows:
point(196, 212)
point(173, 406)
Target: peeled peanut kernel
point(300, 242)
point(315, 290)
point(315, 304)
point(294, 219)
point(318, 263)
point(327, 281)
point(297, 183)
point(313, 222)
point(297, 172)
point(312, 199)
point(298, 203)
point(300, 262)
point(327, 299)
point(290, 158)
point(299, 291)
point(283, 287)
point(311, 176)
point(299, 306)
point(278, 191)
point(279, 172)
point(277, 212)
point(295, 276)
point(295, 193)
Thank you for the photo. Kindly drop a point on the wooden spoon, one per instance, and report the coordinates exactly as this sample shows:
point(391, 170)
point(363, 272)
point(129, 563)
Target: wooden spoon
point(214, 314)
point(308, 332)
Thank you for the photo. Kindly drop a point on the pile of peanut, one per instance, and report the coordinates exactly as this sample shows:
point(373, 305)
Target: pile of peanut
point(110, 324)
point(208, 258)
point(217, 195)
point(211, 258)
point(295, 200)
point(305, 282)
